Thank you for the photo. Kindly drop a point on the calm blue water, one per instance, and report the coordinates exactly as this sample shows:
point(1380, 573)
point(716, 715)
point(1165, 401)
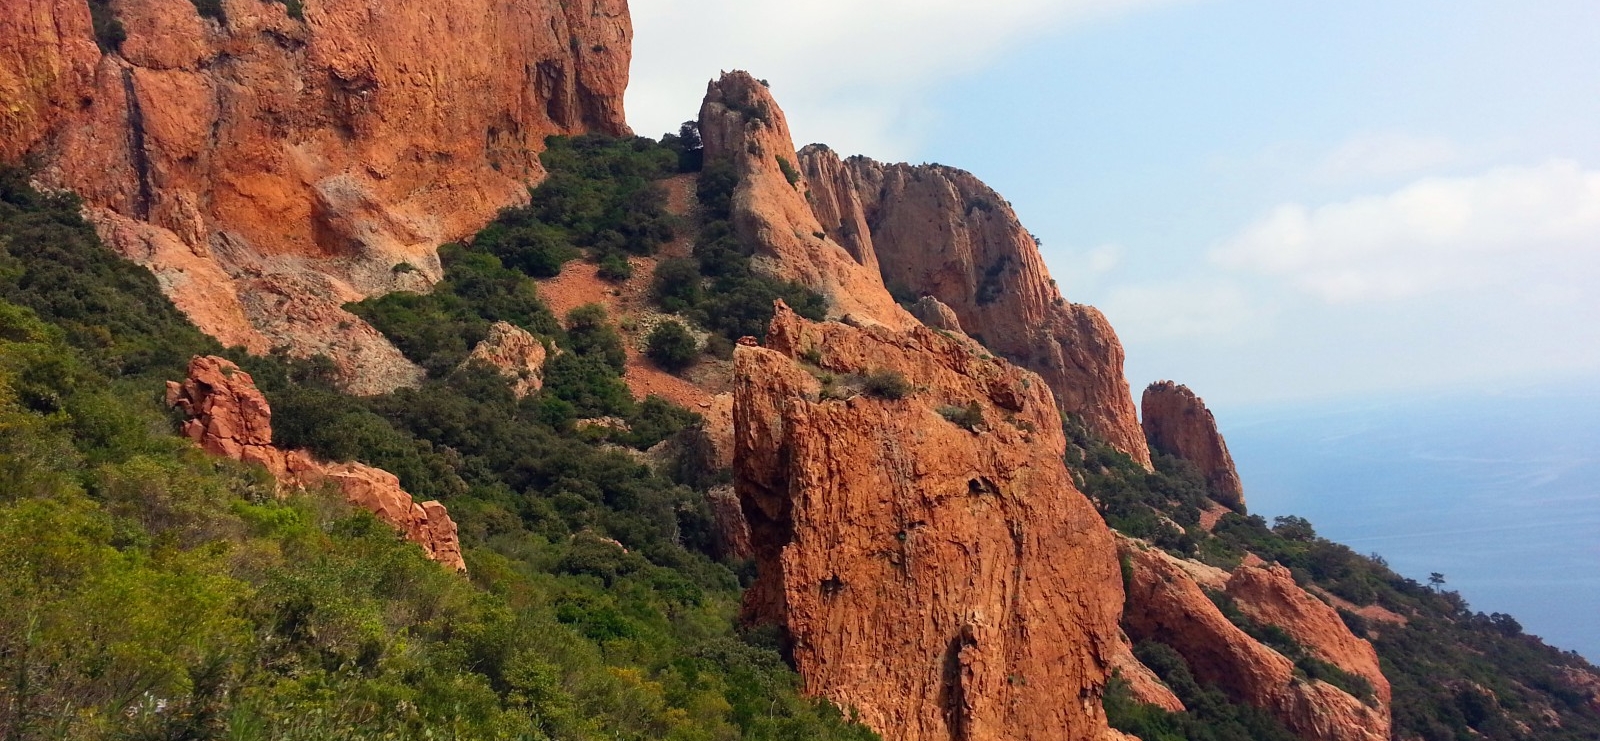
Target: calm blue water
point(1499, 493)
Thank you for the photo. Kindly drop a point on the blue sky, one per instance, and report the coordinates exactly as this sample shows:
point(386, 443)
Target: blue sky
point(1271, 201)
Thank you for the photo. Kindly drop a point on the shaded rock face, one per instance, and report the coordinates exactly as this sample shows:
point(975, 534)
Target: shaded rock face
point(1167, 605)
point(938, 231)
point(742, 126)
point(945, 582)
point(518, 355)
point(229, 417)
point(1176, 422)
point(269, 169)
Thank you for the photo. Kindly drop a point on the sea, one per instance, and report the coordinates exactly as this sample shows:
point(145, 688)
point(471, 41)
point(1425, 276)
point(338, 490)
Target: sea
point(1498, 491)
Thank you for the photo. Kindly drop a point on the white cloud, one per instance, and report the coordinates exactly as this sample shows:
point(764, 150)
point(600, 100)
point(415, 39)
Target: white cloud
point(1435, 234)
point(849, 73)
point(1387, 154)
point(1183, 310)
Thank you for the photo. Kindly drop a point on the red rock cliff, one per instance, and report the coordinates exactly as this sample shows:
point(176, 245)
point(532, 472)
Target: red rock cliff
point(942, 577)
point(269, 169)
point(742, 126)
point(229, 417)
point(1177, 422)
point(938, 231)
point(1166, 604)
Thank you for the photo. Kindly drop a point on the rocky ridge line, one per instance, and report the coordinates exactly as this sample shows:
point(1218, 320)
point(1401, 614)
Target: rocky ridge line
point(743, 127)
point(228, 417)
point(935, 231)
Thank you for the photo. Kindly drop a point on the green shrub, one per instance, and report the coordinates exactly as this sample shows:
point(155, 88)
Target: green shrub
point(437, 330)
point(672, 346)
point(789, 173)
point(614, 267)
point(589, 333)
point(969, 416)
point(676, 285)
point(108, 30)
point(887, 384)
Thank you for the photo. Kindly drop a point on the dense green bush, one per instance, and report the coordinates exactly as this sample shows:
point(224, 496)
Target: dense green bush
point(672, 346)
point(887, 384)
point(589, 332)
point(438, 329)
point(52, 262)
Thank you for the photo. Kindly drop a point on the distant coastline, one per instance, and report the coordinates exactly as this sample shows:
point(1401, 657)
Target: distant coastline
point(1499, 492)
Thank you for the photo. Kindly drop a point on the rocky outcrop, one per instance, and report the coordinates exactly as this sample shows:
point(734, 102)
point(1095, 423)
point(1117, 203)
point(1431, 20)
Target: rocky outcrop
point(933, 313)
point(1585, 684)
point(518, 355)
point(270, 168)
point(1177, 423)
point(938, 231)
point(229, 417)
point(927, 556)
point(1165, 604)
point(1268, 595)
point(743, 128)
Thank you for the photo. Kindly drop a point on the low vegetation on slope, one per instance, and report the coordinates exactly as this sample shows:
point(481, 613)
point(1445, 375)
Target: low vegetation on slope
point(1455, 673)
point(153, 592)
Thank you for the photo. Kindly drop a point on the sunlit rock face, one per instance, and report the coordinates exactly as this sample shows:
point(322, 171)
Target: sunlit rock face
point(269, 169)
point(927, 556)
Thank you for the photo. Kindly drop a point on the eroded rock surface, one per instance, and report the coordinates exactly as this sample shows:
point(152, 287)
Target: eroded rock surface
point(269, 169)
point(743, 127)
point(1165, 604)
point(518, 355)
point(939, 231)
point(1268, 595)
point(229, 417)
point(1177, 422)
point(928, 556)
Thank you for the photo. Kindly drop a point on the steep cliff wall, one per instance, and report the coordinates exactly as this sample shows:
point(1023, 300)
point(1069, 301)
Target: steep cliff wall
point(1177, 422)
point(269, 169)
point(743, 127)
point(928, 556)
point(940, 232)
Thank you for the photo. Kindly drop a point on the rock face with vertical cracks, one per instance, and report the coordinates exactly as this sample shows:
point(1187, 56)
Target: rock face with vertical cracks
point(269, 168)
point(1165, 604)
point(927, 556)
point(939, 231)
point(743, 128)
point(228, 417)
point(1177, 422)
